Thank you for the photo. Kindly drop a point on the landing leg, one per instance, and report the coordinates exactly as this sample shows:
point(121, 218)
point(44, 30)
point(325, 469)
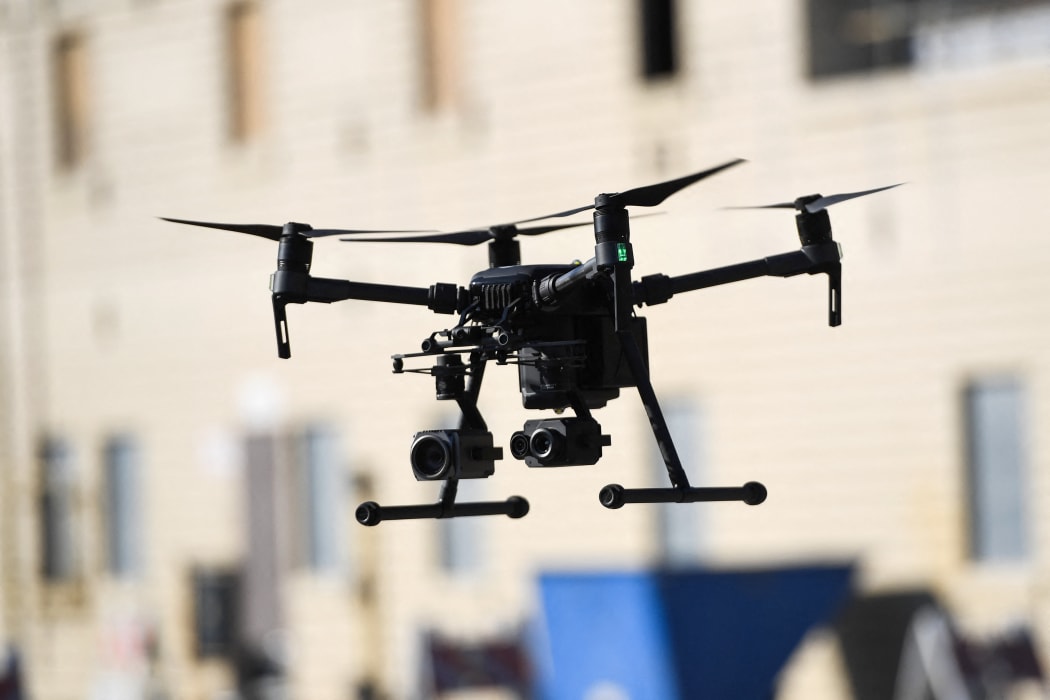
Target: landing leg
point(615, 495)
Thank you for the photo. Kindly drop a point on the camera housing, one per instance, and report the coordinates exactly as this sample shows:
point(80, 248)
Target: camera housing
point(437, 455)
point(559, 442)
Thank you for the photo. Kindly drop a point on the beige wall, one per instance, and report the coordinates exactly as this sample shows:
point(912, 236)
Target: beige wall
point(113, 320)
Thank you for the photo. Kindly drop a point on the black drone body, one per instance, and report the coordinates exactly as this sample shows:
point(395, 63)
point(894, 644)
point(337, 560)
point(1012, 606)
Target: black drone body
point(554, 323)
point(570, 328)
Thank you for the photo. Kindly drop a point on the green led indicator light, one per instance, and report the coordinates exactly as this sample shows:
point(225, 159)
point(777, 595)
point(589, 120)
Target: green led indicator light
point(621, 252)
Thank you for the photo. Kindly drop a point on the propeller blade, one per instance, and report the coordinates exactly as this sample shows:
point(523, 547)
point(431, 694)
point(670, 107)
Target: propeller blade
point(814, 203)
point(457, 238)
point(537, 230)
point(471, 236)
point(561, 214)
point(322, 232)
point(263, 230)
point(540, 230)
point(825, 202)
point(782, 205)
point(274, 232)
point(654, 195)
point(648, 195)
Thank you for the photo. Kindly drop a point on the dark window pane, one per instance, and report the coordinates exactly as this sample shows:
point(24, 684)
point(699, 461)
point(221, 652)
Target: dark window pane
point(658, 40)
point(854, 36)
point(58, 558)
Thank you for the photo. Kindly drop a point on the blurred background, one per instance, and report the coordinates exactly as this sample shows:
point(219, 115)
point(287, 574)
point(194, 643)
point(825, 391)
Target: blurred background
point(177, 503)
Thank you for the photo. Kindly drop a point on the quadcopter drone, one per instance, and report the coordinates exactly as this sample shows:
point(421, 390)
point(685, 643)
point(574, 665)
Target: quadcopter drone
point(570, 329)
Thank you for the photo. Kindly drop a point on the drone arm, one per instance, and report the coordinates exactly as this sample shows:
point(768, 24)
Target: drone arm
point(291, 286)
point(811, 259)
point(659, 288)
point(549, 288)
point(328, 290)
point(297, 288)
point(440, 298)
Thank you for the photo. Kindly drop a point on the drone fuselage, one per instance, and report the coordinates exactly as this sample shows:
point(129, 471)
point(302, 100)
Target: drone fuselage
point(565, 344)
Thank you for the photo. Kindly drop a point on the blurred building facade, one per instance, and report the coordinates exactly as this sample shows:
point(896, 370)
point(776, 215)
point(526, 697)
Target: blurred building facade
point(171, 489)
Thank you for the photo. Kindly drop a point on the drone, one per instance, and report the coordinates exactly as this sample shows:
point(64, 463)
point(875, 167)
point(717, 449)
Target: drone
point(570, 329)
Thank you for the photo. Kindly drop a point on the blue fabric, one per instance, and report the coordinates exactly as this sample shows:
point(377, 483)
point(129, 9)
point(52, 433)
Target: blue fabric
point(680, 634)
point(605, 632)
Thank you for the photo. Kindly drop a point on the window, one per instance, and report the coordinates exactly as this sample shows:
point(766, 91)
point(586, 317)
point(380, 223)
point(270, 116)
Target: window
point(321, 501)
point(298, 496)
point(997, 464)
point(860, 36)
point(267, 525)
point(58, 543)
point(215, 612)
point(244, 48)
point(974, 33)
point(123, 523)
point(440, 43)
point(659, 49)
point(71, 99)
point(854, 36)
point(679, 526)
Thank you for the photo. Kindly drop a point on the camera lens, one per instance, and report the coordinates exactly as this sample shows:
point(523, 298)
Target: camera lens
point(519, 445)
point(544, 443)
point(431, 457)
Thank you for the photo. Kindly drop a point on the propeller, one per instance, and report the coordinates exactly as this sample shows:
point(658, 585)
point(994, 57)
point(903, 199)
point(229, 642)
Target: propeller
point(274, 233)
point(813, 203)
point(473, 236)
point(647, 195)
point(291, 283)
